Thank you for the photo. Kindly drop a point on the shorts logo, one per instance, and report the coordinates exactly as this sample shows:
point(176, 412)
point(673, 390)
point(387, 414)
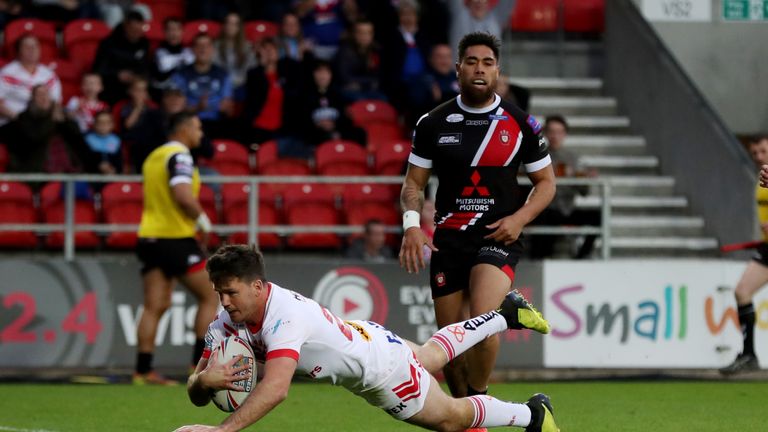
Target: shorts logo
point(458, 332)
point(440, 279)
point(449, 139)
point(504, 136)
point(193, 259)
point(454, 118)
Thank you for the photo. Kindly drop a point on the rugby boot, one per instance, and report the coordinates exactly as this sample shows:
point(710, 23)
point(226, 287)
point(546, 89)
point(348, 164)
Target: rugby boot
point(742, 363)
point(520, 314)
point(542, 419)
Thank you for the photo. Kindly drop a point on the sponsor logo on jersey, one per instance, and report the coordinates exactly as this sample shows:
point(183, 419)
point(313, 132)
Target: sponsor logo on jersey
point(449, 139)
point(534, 124)
point(454, 118)
point(477, 122)
point(470, 190)
point(498, 117)
point(543, 143)
point(504, 136)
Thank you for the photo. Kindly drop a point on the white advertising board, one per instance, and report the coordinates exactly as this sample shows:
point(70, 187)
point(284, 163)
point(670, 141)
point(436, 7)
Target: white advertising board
point(646, 314)
point(677, 10)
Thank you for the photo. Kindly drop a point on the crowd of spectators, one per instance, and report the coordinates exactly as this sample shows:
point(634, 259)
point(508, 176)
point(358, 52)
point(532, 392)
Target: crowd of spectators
point(292, 87)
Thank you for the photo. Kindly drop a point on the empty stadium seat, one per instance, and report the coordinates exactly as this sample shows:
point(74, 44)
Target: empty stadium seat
point(44, 31)
point(193, 28)
point(164, 9)
point(391, 158)
point(355, 194)
point(268, 162)
point(17, 207)
point(235, 210)
point(584, 16)
point(535, 16)
point(70, 74)
point(339, 157)
point(380, 133)
point(257, 30)
point(153, 30)
point(3, 158)
point(369, 111)
point(53, 210)
point(230, 158)
point(82, 38)
point(311, 204)
point(122, 203)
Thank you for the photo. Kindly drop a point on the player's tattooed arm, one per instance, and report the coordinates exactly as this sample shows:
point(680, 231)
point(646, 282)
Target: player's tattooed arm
point(412, 193)
point(412, 200)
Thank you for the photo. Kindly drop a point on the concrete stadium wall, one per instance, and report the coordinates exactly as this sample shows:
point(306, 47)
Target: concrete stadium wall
point(727, 60)
point(614, 314)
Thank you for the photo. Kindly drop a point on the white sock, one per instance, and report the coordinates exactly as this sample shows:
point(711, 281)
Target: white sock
point(457, 338)
point(490, 412)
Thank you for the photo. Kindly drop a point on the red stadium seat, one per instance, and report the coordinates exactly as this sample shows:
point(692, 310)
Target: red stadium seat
point(390, 158)
point(122, 203)
point(308, 204)
point(368, 111)
point(3, 158)
point(584, 16)
point(44, 31)
point(70, 74)
point(207, 199)
point(355, 194)
point(230, 158)
point(387, 213)
point(257, 30)
point(53, 209)
point(381, 133)
point(164, 9)
point(193, 28)
point(82, 38)
point(339, 157)
point(153, 30)
point(535, 16)
point(17, 207)
point(268, 162)
point(238, 215)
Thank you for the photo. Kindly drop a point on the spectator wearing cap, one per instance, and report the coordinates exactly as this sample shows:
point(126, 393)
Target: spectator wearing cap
point(122, 57)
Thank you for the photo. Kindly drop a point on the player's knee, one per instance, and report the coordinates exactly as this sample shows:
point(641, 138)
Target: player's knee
point(743, 293)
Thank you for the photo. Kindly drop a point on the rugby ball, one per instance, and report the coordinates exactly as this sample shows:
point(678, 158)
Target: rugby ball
point(229, 348)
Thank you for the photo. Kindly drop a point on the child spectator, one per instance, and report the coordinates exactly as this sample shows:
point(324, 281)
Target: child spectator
point(105, 144)
point(83, 108)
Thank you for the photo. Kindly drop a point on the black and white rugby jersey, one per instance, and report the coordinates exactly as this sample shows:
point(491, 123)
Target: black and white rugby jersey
point(476, 155)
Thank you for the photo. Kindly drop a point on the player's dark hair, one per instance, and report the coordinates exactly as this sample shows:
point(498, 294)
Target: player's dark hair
point(236, 262)
point(134, 16)
point(756, 139)
point(479, 38)
point(178, 120)
point(170, 20)
point(556, 118)
point(22, 38)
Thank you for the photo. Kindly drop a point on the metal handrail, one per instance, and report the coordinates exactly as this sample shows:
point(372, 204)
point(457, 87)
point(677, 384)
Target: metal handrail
point(69, 227)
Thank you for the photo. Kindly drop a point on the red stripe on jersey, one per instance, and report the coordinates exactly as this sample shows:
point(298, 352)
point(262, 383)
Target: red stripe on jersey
point(283, 353)
point(230, 330)
point(206, 353)
point(459, 221)
point(503, 143)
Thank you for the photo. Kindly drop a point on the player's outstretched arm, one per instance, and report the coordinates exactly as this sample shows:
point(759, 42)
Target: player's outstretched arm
point(764, 176)
point(210, 376)
point(269, 392)
point(412, 201)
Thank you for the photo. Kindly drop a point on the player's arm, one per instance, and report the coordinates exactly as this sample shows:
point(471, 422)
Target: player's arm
point(271, 390)
point(412, 201)
point(764, 176)
point(508, 229)
point(180, 171)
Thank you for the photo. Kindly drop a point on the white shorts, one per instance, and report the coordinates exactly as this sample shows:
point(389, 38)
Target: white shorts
point(401, 382)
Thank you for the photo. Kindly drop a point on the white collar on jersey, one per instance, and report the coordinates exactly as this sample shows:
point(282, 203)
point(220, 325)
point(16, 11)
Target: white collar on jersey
point(489, 108)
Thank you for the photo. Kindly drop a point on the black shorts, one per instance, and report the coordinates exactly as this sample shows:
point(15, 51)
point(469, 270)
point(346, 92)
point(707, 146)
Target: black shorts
point(449, 269)
point(175, 257)
point(761, 254)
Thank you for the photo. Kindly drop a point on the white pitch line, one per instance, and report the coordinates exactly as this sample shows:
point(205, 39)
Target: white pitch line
point(13, 429)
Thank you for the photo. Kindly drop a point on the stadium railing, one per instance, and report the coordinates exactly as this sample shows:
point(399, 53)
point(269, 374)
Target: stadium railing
point(69, 227)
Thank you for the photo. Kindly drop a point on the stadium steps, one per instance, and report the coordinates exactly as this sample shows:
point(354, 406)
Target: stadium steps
point(673, 246)
point(649, 184)
point(594, 124)
point(652, 225)
point(620, 164)
point(617, 145)
point(560, 86)
point(570, 105)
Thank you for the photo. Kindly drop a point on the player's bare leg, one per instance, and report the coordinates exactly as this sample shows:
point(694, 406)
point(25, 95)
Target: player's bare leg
point(755, 276)
point(451, 309)
point(199, 285)
point(157, 299)
point(488, 286)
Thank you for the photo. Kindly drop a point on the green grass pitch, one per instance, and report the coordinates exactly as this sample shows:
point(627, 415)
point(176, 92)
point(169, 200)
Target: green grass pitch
point(591, 406)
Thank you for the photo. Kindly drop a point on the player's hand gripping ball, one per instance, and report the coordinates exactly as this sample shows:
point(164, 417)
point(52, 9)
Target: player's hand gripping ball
point(229, 348)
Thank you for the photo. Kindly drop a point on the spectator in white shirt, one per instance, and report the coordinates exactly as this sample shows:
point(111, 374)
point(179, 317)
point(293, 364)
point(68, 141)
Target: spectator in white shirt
point(19, 76)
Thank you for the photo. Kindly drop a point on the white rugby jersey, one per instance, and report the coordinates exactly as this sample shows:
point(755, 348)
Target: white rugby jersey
point(16, 86)
point(346, 353)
